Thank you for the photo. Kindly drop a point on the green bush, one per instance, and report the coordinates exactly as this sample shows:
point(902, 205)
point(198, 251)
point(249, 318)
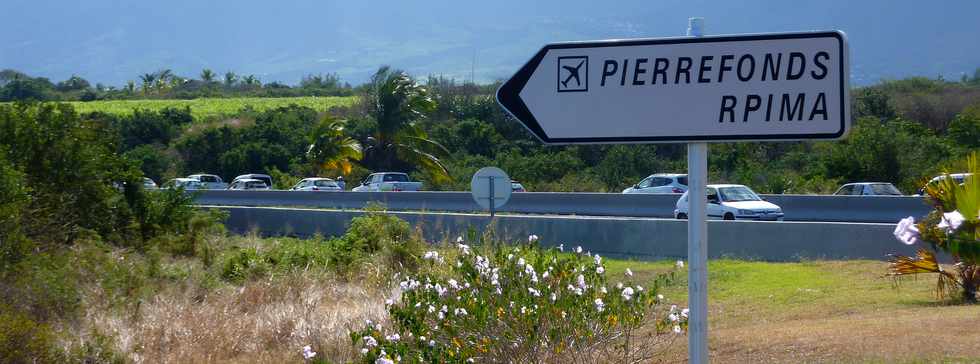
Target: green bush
point(522, 304)
point(373, 233)
point(286, 254)
point(22, 340)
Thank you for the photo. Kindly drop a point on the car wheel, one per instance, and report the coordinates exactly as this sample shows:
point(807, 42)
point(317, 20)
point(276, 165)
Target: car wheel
point(729, 216)
point(682, 216)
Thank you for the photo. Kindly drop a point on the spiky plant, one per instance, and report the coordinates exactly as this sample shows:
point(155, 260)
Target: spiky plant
point(331, 150)
point(953, 227)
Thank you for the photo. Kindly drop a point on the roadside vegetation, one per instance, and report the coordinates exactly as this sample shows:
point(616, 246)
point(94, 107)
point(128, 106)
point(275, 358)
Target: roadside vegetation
point(442, 131)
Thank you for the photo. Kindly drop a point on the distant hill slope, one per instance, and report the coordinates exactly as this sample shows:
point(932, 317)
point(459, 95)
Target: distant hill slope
point(112, 41)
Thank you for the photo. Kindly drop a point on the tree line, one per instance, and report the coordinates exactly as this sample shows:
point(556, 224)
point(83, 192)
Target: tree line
point(165, 84)
point(441, 131)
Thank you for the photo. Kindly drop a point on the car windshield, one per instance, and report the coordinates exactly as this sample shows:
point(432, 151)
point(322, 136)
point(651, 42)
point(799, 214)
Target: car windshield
point(325, 183)
point(735, 194)
point(885, 189)
point(396, 178)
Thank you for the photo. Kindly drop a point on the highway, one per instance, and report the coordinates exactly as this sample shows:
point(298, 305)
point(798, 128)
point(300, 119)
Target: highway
point(809, 208)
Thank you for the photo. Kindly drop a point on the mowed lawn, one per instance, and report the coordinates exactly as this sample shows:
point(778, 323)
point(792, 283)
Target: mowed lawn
point(824, 311)
point(208, 107)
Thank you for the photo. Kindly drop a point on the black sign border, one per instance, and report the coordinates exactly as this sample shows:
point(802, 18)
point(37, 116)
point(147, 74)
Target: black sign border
point(508, 95)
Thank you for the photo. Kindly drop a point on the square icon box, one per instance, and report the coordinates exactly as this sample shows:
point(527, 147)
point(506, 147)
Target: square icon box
point(573, 74)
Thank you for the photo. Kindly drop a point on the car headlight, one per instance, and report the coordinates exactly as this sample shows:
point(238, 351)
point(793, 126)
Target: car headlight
point(746, 212)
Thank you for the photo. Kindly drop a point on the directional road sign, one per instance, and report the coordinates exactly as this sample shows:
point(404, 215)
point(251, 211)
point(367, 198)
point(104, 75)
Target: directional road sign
point(785, 86)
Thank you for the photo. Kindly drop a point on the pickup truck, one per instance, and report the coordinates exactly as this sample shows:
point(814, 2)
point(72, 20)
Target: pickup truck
point(209, 181)
point(388, 181)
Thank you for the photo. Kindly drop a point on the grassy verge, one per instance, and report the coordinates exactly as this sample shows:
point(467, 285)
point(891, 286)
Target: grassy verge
point(825, 311)
point(209, 107)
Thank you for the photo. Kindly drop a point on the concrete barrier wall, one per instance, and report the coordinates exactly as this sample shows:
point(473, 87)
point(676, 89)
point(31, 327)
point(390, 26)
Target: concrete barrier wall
point(796, 207)
point(640, 238)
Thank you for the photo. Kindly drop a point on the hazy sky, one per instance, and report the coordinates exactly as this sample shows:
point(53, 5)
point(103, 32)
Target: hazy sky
point(112, 41)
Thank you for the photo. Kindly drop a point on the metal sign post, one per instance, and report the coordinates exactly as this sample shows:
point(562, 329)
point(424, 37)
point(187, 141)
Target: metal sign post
point(697, 239)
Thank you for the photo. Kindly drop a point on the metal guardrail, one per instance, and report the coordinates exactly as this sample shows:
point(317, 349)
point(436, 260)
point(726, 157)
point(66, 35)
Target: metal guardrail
point(871, 209)
point(639, 238)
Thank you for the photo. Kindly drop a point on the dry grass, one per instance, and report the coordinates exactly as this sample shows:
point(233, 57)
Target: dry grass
point(261, 322)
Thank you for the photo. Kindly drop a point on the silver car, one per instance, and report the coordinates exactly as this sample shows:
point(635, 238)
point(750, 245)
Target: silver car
point(660, 183)
point(317, 184)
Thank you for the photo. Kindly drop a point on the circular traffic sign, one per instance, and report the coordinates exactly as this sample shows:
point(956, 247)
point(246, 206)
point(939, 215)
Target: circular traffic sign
point(490, 184)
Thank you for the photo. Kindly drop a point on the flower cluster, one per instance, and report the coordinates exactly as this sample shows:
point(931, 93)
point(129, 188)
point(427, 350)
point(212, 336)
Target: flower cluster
point(494, 302)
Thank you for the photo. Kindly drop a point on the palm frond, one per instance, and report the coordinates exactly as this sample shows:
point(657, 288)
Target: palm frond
point(924, 261)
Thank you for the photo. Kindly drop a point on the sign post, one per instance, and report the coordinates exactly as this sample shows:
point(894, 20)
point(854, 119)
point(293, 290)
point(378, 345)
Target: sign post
point(697, 239)
point(695, 89)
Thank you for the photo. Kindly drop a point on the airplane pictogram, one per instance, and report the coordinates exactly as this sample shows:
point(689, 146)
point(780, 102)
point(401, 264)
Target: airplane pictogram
point(573, 69)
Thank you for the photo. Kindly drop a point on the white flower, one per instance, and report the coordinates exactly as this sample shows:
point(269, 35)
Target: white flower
point(510, 256)
point(422, 338)
point(639, 288)
point(383, 360)
point(364, 351)
point(459, 239)
point(393, 337)
point(580, 280)
point(603, 290)
point(563, 314)
point(534, 292)
point(308, 352)
point(680, 264)
point(446, 309)
point(619, 285)
point(440, 289)
point(578, 249)
point(561, 247)
point(520, 262)
point(432, 309)
point(554, 297)
point(453, 284)
point(600, 269)
point(464, 249)
point(389, 302)
point(578, 292)
point(532, 238)
point(369, 341)
point(598, 259)
point(431, 255)
point(546, 274)
point(460, 312)
point(660, 297)
point(627, 293)
point(377, 327)
point(369, 322)
point(629, 273)
point(677, 329)
point(432, 343)
point(684, 312)
point(673, 308)
point(673, 317)
point(441, 315)
point(599, 306)
point(951, 221)
point(523, 310)
point(906, 231)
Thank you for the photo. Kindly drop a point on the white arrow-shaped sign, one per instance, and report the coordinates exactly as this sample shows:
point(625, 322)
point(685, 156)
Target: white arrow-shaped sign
point(786, 86)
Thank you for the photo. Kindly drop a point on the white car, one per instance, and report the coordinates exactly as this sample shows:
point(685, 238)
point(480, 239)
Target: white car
point(868, 189)
point(249, 184)
point(733, 202)
point(317, 184)
point(148, 184)
point(959, 178)
point(660, 183)
point(186, 183)
point(209, 181)
point(261, 177)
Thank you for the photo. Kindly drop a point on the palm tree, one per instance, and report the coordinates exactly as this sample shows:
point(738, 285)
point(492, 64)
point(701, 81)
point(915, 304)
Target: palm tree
point(331, 150)
point(397, 102)
point(251, 81)
point(148, 80)
point(207, 76)
point(230, 79)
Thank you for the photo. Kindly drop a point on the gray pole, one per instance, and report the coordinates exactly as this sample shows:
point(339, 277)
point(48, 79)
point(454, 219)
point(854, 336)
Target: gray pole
point(493, 199)
point(697, 239)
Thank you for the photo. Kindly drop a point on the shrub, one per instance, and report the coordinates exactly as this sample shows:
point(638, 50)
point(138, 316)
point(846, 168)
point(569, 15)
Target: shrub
point(376, 233)
point(952, 227)
point(22, 340)
point(283, 255)
point(522, 304)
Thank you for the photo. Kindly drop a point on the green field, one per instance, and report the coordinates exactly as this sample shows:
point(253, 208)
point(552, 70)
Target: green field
point(204, 108)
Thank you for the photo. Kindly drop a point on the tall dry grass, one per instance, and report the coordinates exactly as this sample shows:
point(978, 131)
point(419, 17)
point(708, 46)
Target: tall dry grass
point(260, 322)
